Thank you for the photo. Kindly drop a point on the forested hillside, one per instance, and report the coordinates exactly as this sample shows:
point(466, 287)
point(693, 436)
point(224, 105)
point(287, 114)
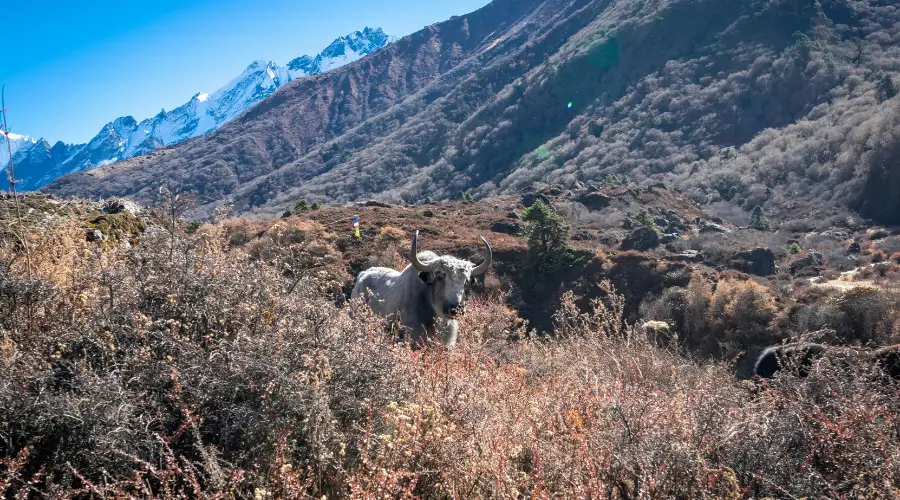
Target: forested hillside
point(787, 104)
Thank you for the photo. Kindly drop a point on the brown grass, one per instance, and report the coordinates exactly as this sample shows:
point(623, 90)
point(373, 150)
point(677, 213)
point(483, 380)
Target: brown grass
point(189, 367)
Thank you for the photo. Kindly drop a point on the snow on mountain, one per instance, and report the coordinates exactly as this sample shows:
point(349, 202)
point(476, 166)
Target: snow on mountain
point(344, 50)
point(37, 163)
point(16, 142)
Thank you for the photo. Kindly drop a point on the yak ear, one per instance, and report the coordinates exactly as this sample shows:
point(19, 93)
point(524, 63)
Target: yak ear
point(427, 277)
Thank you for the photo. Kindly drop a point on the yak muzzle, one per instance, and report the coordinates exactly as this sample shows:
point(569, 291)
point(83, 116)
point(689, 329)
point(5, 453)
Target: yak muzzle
point(454, 310)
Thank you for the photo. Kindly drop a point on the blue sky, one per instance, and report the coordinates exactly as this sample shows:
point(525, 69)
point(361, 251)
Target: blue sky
point(71, 67)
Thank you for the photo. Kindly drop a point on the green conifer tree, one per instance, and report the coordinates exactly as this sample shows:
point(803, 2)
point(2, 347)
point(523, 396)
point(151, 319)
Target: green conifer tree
point(886, 89)
point(548, 236)
point(758, 219)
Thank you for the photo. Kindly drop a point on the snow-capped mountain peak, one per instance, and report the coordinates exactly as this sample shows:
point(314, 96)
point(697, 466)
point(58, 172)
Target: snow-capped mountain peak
point(16, 143)
point(125, 137)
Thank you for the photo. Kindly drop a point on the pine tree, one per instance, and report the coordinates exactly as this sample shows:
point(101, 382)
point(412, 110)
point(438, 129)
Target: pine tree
point(758, 219)
point(886, 89)
point(548, 236)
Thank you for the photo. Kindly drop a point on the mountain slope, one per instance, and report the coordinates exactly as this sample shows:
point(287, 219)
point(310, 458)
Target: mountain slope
point(16, 142)
point(307, 113)
point(126, 138)
point(779, 103)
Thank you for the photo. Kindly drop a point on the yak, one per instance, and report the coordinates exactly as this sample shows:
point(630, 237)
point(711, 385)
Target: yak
point(428, 295)
point(888, 359)
point(799, 355)
point(802, 355)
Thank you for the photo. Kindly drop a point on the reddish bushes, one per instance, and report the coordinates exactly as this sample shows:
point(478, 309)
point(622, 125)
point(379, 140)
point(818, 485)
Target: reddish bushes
point(180, 367)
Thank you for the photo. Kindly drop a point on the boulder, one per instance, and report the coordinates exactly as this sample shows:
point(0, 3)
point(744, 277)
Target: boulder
point(595, 200)
point(119, 205)
point(660, 221)
point(676, 223)
point(854, 248)
point(555, 191)
point(688, 256)
point(94, 235)
point(506, 227)
point(759, 261)
point(374, 203)
point(583, 236)
point(428, 213)
point(609, 239)
point(528, 199)
point(837, 233)
point(669, 238)
point(807, 264)
point(641, 239)
point(712, 227)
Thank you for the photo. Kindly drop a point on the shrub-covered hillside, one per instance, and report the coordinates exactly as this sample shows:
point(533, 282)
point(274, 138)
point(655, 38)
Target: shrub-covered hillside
point(146, 355)
point(788, 104)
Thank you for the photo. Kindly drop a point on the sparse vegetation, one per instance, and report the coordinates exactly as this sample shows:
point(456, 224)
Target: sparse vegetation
point(193, 226)
point(643, 219)
point(303, 206)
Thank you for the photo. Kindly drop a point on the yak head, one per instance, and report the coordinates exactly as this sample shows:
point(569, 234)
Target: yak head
point(447, 278)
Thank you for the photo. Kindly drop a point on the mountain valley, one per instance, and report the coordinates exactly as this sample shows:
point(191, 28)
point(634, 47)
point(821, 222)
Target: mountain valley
point(784, 104)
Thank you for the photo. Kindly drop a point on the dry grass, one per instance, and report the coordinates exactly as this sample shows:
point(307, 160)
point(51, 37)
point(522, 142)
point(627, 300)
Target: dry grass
point(186, 367)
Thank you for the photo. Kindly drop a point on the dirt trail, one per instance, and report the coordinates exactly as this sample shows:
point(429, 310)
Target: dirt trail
point(847, 279)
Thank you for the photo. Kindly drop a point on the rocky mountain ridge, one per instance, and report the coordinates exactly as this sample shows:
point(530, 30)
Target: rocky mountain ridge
point(786, 105)
point(37, 162)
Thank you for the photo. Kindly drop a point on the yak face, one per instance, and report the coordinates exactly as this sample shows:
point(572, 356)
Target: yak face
point(447, 285)
point(446, 278)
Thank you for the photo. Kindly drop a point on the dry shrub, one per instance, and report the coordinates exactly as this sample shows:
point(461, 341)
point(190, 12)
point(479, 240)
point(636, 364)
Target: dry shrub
point(740, 314)
point(182, 367)
point(862, 314)
point(392, 234)
point(388, 257)
point(734, 317)
point(605, 413)
point(490, 319)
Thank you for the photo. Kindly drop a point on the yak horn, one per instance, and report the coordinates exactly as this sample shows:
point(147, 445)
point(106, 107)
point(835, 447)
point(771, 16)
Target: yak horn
point(484, 266)
point(414, 256)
